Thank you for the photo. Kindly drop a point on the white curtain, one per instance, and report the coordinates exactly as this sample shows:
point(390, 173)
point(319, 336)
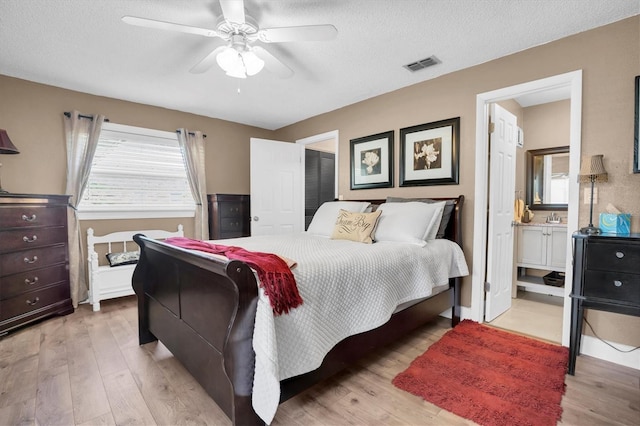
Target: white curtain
point(192, 146)
point(82, 133)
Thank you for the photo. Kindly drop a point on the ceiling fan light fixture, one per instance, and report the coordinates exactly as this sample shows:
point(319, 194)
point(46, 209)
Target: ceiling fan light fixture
point(252, 62)
point(228, 59)
point(239, 63)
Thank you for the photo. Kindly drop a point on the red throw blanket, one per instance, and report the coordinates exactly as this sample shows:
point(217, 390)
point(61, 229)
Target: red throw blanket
point(276, 279)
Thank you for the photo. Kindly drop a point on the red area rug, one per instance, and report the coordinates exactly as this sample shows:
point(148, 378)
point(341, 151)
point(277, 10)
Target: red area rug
point(490, 376)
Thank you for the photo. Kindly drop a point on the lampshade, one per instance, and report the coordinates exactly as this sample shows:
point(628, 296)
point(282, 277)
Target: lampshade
point(6, 146)
point(239, 61)
point(593, 169)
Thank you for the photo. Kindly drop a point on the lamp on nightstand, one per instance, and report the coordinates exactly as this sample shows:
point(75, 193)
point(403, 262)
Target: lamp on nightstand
point(592, 170)
point(6, 147)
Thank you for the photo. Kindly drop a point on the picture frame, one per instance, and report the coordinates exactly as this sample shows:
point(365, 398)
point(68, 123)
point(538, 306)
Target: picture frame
point(636, 134)
point(429, 153)
point(372, 161)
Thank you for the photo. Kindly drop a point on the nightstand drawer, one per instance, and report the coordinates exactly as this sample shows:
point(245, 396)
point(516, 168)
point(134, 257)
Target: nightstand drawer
point(229, 224)
point(613, 286)
point(24, 239)
point(613, 256)
point(230, 209)
point(33, 300)
point(32, 280)
point(27, 260)
point(22, 216)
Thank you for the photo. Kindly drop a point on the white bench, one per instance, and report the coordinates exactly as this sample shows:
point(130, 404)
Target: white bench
point(106, 282)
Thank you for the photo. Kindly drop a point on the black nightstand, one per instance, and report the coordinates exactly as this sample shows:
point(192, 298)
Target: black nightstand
point(606, 277)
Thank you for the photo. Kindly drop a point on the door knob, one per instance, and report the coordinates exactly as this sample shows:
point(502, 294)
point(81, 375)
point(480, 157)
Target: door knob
point(256, 218)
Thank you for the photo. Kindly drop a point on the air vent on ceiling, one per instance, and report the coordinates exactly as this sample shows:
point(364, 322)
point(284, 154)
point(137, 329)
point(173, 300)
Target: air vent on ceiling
point(422, 64)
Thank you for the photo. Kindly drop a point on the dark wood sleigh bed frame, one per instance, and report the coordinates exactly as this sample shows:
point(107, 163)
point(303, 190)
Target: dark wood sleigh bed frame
point(203, 310)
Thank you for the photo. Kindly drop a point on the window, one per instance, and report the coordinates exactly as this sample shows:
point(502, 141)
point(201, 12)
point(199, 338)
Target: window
point(136, 173)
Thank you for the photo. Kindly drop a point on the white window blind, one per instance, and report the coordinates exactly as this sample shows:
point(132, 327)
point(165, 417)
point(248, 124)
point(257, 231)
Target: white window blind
point(137, 172)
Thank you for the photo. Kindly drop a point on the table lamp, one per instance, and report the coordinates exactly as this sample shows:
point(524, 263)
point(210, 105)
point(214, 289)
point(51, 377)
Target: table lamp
point(6, 147)
point(592, 170)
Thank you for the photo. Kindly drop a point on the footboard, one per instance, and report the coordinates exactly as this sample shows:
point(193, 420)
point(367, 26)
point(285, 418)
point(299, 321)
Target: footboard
point(203, 311)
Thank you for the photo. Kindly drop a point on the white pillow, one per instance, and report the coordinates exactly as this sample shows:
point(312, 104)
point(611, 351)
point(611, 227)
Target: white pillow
point(413, 222)
point(325, 217)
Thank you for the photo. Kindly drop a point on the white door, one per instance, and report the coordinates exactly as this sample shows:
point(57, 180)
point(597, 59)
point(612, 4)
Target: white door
point(277, 187)
point(502, 169)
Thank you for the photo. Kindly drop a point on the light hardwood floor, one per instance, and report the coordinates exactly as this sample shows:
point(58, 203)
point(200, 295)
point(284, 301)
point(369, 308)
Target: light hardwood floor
point(533, 314)
point(87, 369)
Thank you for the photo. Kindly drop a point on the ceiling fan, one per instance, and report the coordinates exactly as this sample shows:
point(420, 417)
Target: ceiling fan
point(239, 57)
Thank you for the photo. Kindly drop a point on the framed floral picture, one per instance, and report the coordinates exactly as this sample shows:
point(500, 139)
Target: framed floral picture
point(372, 161)
point(429, 153)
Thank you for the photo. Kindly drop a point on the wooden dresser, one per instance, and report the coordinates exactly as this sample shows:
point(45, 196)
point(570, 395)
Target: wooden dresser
point(34, 259)
point(228, 216)
point(606, 277)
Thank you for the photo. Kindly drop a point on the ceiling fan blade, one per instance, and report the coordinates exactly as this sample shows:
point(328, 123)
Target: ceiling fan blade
point(207, 62)
point(233, 10)
point(170, 26)
point(303, 33)
point(273, 64)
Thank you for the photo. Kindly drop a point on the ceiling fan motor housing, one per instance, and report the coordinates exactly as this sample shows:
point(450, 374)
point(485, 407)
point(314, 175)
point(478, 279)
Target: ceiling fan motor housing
point(248, 29)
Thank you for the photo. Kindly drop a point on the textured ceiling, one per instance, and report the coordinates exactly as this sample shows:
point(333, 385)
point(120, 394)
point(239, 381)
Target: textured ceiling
point(83, 45)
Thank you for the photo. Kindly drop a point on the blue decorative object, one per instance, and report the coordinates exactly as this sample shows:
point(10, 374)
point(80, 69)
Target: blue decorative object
point(615, 223)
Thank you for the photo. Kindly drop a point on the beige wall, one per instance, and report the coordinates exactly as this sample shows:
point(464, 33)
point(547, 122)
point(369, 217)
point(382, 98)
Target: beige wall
point(609, 57)
point(33, 120)
point(607, 125)
point(544, 126)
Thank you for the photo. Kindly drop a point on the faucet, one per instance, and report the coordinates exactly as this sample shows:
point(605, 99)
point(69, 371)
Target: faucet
point(553, 218)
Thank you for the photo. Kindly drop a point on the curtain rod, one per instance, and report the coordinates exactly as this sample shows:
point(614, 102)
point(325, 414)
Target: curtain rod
point(90, 117)
point(192, 134)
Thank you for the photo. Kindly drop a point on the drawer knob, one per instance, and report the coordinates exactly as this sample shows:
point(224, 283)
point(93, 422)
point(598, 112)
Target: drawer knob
point(617, 283)
point(33, 260)
point(35, 301)
point(619, 254)
point(31, 282)
point(29, 240)
point(29, 218)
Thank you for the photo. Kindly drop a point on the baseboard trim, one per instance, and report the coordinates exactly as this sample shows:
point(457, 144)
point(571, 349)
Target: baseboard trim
point(594, 347)
point(465, 313)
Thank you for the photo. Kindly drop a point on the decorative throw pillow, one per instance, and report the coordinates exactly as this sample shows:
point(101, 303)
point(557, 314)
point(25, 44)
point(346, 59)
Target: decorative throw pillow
point(410, 222)
point(446, 214)
point(123, 258)
point(355, 226)
point(324, 218)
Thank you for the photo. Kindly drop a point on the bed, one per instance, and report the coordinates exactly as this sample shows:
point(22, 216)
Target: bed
point(176, 289)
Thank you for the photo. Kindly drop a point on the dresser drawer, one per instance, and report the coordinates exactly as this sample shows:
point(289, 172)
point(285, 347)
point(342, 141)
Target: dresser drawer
point(27, 238)
point(23, 282)
point(21, 216)
point(27, 302)
point(27, 260)
point(231, 209)
point(613, 256)
point(229, 224)
point(612, 285)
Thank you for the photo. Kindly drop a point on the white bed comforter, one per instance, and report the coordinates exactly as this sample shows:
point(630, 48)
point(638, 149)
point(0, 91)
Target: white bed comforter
point(347, 288)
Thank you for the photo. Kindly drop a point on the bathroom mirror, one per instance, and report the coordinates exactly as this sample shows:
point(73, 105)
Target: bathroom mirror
point(548, 178)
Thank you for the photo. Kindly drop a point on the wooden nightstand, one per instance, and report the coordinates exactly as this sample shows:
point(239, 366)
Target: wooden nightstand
point(228, 216)
point(606, 277)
